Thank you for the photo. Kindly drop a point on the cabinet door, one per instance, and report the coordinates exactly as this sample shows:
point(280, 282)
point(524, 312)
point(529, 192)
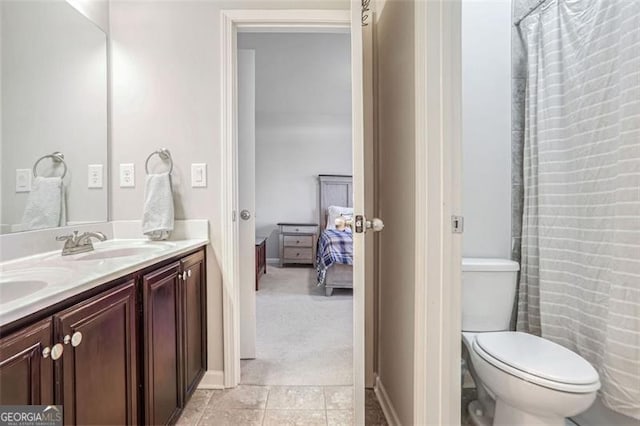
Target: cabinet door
point(99, 381)
point(162, 308)
point(194, 328)
point(26, 375)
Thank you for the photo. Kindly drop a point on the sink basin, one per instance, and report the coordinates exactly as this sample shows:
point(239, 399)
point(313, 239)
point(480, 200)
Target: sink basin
point(115, 249)
point(118, 252)
point(12, 290)
point(25, 282)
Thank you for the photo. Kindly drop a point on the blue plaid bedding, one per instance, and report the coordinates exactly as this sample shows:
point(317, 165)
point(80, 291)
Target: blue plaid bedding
point(333, 247)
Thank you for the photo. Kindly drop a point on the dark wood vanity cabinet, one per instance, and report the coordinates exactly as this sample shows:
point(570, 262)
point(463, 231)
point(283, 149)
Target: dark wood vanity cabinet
point(130, 354)
point(162, 329)
point(174, 307)
point(99, 379)
point(195, 320)
point(26, 374)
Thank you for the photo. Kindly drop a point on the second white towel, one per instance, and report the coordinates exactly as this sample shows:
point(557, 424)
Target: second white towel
point(158, 215)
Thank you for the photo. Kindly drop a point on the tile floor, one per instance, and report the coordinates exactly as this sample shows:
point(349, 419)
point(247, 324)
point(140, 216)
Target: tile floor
point(278, 405)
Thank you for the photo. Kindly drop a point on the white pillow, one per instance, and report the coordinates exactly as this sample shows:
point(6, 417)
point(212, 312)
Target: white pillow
point(334, 212)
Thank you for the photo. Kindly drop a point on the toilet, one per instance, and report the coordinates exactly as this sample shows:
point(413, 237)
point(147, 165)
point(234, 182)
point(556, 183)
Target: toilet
point(521, 379)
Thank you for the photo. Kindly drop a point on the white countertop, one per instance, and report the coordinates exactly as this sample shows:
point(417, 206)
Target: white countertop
point(30, 284)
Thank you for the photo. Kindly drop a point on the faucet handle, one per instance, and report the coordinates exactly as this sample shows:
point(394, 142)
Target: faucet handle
point(67, 237)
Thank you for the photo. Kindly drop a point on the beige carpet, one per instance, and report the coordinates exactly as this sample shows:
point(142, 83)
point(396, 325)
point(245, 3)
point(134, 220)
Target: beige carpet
point(303, 337)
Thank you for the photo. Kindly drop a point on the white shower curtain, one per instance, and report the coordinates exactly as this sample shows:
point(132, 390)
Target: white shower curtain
point(580, 278)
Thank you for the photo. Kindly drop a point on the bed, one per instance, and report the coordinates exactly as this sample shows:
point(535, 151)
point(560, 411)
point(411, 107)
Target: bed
point(335, 249)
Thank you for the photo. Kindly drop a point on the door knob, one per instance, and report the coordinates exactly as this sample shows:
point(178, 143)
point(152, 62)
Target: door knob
point(375, 224)
point(245, 215)
point(342, 223)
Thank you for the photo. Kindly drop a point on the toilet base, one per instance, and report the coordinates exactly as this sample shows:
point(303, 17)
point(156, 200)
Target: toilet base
point(507, 415)
point(477, 414)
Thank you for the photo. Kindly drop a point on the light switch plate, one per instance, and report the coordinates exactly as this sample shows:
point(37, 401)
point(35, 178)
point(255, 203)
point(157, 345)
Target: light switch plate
point(95, 176)
point(198, 175)
point(127, 176)
point(23, 180)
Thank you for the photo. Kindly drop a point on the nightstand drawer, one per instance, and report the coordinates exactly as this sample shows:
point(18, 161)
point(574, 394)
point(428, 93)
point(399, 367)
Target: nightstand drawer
point(302, 229)
point(298, 241)
point(291, 253)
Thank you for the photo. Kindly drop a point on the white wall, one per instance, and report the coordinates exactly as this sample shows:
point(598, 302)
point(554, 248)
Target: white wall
point(54, 98)
point(166, 92)
point(303, 123)
point(486, 120)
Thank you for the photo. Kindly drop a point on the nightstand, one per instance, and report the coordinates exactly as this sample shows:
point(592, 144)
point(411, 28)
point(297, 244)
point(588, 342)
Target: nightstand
point(298, 243)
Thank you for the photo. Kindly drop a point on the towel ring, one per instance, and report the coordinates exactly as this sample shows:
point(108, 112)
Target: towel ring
point(164, 154)
point(56, 157)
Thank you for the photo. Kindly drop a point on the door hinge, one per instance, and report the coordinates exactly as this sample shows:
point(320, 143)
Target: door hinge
point(457, 224)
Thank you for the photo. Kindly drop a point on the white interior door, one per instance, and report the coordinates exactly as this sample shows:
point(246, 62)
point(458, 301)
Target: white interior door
point(357, 134)
point(246, 200)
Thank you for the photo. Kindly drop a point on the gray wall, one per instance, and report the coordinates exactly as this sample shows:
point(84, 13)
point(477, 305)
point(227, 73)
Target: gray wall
point(486, 128)
point(303, 123)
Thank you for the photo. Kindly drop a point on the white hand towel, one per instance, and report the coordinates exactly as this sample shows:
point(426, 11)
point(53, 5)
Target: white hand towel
point(45, 205)
point(157, 218)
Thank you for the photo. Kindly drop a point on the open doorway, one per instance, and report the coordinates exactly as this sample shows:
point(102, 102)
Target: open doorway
point(295, 165)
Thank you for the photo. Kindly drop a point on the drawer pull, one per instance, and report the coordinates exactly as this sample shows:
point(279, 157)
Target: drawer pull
point(297, 241)
point(297, 254)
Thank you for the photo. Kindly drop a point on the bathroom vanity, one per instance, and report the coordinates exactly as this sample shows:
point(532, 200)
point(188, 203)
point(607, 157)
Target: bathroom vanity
point(126, 342)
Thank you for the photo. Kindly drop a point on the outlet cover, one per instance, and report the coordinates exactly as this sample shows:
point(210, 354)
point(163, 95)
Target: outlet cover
point(127, 176)
point(95, 176)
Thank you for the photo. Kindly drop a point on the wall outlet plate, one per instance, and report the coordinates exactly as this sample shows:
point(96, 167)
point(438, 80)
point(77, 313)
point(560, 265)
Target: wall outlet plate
point(198, 175)
point(127, 176)
point(23, 180)
point(95, 176)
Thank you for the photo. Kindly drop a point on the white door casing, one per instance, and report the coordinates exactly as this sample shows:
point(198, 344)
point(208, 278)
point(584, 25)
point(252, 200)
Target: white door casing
point(246, 200)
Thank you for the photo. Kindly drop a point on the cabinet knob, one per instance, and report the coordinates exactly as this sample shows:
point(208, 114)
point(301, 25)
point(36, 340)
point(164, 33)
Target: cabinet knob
point(54, 352)
point(189, 273)
point(75, 340)
point(184, 276)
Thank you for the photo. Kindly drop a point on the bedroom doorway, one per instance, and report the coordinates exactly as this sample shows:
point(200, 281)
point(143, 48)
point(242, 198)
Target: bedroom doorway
point(290, 21)
point(294, 128)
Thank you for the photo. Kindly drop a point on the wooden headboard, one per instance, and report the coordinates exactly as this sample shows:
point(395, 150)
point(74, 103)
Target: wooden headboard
point(335, 190)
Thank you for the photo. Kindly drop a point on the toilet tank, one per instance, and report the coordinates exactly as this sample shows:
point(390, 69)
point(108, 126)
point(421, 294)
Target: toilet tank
point(488, 292)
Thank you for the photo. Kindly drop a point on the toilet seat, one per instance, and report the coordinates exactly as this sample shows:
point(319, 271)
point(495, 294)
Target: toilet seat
point(537, 360)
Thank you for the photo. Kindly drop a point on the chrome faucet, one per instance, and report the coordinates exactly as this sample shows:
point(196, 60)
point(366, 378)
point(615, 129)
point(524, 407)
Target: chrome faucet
point(75, 243)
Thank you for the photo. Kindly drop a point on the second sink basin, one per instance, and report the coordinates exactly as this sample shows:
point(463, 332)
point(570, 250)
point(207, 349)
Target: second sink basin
point(26, 282)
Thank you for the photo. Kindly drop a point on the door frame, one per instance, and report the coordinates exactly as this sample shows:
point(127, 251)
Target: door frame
point(438, 112)
point(260, 20)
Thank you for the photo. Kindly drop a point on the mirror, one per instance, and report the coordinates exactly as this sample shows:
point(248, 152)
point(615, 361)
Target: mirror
point(53, 79)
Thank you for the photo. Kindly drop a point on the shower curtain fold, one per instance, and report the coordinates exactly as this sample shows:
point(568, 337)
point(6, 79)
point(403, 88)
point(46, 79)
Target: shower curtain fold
point(580, 274)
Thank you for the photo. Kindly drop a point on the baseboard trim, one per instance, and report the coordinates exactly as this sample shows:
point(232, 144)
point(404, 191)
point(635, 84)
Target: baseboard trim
point(385, 403)
point(212, 379)
point(273, 261)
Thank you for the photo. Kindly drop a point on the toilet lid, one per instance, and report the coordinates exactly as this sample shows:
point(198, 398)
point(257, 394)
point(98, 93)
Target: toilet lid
point(537, 357)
